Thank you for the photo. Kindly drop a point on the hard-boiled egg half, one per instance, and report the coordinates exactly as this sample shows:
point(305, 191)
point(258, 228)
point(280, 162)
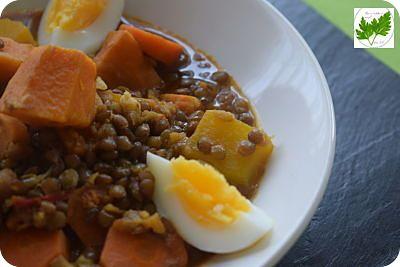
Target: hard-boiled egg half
point(207, 212)
point(79, 24)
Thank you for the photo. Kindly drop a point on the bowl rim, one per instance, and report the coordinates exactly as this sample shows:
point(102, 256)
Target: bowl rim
point(305, 220)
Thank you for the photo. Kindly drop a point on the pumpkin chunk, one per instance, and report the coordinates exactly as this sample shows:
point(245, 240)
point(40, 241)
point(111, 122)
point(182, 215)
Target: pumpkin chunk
point(53, 87)
point(11, 57)
point(121, 62)
point(17, 31)
point(222, 128)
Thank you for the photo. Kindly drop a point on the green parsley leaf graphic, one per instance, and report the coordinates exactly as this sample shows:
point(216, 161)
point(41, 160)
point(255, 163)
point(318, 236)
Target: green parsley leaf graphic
point(366, 30)
point(380, 26)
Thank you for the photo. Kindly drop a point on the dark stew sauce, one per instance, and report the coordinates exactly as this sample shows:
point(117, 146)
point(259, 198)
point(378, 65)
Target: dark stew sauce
point(196, 74)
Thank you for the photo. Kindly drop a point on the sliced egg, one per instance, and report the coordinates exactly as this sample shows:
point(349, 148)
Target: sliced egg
point(79, 24)
point(207, 212)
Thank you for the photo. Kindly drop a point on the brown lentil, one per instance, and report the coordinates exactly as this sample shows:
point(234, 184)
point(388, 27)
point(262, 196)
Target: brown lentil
point(50, 186)
point(123, 143)
point(198, 57)
point(105, 219)
point(247, 118)
point(106, 130)
point(246, 148)
point(240, 105)
point(121, 172)
point(256, 136)
point(128, 133)
point(135, 190)
point(220, 77)
point(159, 126)
point(119, 121)
point(143, 131)
point(103, 115)
point(47, 207)
point(106, 144)
point(147, 187)
point(69, 179)
point(117, 191)
point(204, 145)
point(154, 142)
point(104, 179)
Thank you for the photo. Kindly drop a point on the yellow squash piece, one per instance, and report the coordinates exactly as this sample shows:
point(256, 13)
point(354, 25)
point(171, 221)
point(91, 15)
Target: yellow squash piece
point(222, 128)
point(17, 31)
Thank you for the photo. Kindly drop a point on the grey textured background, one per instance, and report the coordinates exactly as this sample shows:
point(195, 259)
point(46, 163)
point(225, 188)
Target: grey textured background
point(358, 221)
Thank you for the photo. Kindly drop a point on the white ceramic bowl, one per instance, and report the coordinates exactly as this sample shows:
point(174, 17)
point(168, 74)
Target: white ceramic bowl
point(281, 76)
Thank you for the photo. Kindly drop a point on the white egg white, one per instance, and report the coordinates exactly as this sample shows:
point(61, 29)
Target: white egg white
point(88, 40)
point(245, 231)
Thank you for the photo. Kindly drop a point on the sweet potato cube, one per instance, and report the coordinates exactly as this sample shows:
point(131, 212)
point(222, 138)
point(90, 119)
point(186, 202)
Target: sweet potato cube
point(53, 87)
point(91, 234)
point(222, 128)
point(11, 57)
point(121, 62)
point(125, 249)
point(13, 133)
point(32, 247)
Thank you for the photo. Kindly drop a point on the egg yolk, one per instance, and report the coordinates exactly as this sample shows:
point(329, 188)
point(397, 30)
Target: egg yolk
point(72, 15)
point(205, 194)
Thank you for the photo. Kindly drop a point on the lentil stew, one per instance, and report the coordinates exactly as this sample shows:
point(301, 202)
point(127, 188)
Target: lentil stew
point(83, 181)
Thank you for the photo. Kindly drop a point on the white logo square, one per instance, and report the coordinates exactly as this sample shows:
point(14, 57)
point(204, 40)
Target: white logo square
point(374, 28)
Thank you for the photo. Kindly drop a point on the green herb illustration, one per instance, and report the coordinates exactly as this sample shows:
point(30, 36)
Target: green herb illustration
point(370, 30)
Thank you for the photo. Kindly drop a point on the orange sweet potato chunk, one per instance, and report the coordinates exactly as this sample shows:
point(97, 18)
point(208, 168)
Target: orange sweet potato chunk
point(32, 248)
point(121, 62)
point(54, 86)
point(91, 234)
point(125, 249)
point(11, 57)
point(13, 133)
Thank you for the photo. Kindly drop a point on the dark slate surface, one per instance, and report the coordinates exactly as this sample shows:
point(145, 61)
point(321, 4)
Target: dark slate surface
point(358, 221)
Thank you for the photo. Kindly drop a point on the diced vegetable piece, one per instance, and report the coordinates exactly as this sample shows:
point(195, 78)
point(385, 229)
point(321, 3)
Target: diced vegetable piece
point(125, 249)
point(32, 247)
point(90, 233)
point(121, 62)
point(17, 31)
point(186, 103)
point(53, 87)
point(13, 134)
point(155, 46)
point(11, 57)
point(221, 128)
